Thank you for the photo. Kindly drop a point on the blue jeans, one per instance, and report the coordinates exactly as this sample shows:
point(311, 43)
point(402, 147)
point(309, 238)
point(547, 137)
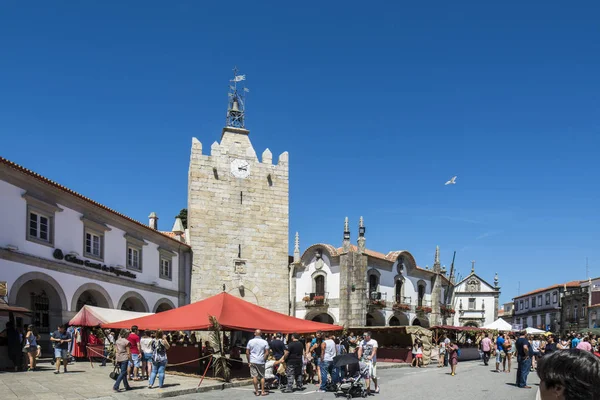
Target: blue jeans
point(122, 376)
point(524, 366)
point(327, 367)
point(160, 369)
point(105, 354)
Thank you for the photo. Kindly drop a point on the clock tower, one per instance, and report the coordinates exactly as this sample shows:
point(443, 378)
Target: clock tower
point(238, 215)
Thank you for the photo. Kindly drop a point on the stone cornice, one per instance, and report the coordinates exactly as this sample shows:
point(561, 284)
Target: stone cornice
point(58, 266)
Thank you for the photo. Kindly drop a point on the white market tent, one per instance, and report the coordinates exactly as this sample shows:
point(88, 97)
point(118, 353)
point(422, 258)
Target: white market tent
point(533, 331)
point(95, 316)
point(499, 325)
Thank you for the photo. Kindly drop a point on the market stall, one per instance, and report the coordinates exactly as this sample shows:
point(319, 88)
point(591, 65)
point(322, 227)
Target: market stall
point(395, 342)
point(232, 313)
point(499, 325)
point(85, 342)
point(461, 335)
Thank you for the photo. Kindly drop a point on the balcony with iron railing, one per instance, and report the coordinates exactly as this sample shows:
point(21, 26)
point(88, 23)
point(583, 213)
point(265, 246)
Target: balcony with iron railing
point(377, 299)
point(423, 306)
point(316, 299)
point(403, 303)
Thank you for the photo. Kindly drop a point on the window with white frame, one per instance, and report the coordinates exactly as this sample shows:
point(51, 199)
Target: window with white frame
point(166, 264)
point(133, 258)
point(471, 303)
point(40, 220)
point(93, 238)
point(539, 300)
point(555, 297)
point(547, 298)
point(521, 305)
point(93, 244)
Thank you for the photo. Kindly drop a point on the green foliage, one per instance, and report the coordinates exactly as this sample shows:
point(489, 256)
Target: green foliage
point(183, 214)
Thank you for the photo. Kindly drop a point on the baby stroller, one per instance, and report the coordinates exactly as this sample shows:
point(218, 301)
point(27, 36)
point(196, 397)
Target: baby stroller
point(352, 386)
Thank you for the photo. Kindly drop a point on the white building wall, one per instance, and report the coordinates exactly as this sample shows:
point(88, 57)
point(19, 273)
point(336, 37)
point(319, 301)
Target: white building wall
point(304, 279)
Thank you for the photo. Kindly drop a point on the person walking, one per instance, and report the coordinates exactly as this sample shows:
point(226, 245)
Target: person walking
point(293, 359)
point(367, 352)
point(159, 346)
point(500, 354)
point(486, 349)
point(109, 341)
point(328, 352)
point(147, 352)
point(61, 341)
point(315, 350)
point(257, 351)
point(523, 360)
point(122, 357)
point(509, 350)
point(452, 350)
point(442, 353)
point(31, 346)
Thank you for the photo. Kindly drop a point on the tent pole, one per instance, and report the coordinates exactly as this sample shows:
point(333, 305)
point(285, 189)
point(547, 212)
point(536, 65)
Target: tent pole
point(205, 371)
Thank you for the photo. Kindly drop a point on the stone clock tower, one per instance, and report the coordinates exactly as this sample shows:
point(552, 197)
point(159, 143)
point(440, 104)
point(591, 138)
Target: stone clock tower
point(238, 216)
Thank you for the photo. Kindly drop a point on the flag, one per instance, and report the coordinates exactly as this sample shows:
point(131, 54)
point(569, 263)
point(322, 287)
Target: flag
point(239, 78)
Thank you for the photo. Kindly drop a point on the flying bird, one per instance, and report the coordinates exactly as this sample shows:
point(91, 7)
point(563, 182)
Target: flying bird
point(451, 181)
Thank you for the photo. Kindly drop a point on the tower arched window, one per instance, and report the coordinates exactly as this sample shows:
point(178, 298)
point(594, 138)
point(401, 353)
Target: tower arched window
point(373, 283)
point(421, 293)
point(398, 291)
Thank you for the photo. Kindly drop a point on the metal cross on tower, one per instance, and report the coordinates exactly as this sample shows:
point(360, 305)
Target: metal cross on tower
point(237, 95)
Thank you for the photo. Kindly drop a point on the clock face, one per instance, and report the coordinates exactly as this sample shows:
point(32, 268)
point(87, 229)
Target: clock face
point(240, 168)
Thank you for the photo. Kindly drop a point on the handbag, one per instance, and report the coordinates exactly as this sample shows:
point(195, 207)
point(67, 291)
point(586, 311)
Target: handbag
point(115, 373)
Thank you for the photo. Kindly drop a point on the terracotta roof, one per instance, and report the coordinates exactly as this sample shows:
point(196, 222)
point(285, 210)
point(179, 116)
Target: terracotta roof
point(568, 284)
point(371, 253)
point(50, 182)
point(171, 234)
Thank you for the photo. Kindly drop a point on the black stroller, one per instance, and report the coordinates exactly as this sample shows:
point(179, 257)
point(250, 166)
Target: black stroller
point(352, 386)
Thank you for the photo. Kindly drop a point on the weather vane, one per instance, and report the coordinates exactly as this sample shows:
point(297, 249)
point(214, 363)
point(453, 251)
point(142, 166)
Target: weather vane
point(237, 95)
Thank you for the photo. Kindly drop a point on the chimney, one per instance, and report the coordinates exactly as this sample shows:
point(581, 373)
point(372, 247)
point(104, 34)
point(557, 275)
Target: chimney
point(346, 242)
point(153, 220)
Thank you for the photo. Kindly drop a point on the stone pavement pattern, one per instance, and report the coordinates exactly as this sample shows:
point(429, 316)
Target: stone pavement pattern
point(473, 381)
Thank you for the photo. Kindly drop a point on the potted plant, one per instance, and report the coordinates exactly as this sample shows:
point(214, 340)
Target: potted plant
point(319, 299)
point(424, 309)
point(401, 307)
point(306, 299)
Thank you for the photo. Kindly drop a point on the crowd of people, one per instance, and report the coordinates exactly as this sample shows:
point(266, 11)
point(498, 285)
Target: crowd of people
point(293, 361)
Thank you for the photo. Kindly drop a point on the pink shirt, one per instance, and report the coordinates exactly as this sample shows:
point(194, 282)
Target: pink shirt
point(584, 346)
point(486, 344)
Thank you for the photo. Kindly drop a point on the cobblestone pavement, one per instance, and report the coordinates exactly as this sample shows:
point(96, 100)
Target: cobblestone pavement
point(473, 381)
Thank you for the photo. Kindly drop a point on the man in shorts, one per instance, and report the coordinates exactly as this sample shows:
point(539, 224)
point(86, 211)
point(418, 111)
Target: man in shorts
point(61, 340)
point(367, 352)
point(136, 360)
point(257, 351)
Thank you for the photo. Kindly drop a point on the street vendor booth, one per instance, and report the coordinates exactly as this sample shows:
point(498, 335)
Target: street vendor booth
point(10, 313)
point(85, 343)
point(395, 342)
point(460, 335)
point(232, 313)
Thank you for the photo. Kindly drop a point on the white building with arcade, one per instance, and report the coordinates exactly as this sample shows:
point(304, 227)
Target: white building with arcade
point(60, 250)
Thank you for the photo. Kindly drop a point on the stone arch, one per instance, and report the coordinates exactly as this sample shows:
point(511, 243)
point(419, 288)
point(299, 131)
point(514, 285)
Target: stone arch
point(136, 299)
point(421, 294)
point(375, 318)
point(396, 256)
point(420, 321)
point(402, 318)
point(163, 302)
point(473, 324)
point(309, 252)
point(99, 293)
point(320, 316)
point(32, 276)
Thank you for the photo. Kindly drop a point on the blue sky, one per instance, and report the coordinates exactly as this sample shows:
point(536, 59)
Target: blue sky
point(378, 104)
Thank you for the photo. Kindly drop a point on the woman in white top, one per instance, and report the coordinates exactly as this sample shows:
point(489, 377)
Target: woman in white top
point(146, 345)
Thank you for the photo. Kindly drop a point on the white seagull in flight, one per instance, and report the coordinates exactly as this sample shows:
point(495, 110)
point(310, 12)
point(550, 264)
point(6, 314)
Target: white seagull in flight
point(451, 181)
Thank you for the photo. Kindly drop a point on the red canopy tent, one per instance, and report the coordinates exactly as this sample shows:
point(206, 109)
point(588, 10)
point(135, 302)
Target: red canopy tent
point(231, 312)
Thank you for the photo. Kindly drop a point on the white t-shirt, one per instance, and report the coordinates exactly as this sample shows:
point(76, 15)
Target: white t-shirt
point(330, 350)
point(257, 347)
point(535, 346)
point(146, 345)
point(367, 348)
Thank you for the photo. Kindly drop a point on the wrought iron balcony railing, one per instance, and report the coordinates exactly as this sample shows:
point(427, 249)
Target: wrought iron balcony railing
point(315, 299)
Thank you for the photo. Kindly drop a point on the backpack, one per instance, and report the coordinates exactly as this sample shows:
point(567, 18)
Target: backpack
point(159, 352)
point(458, 352)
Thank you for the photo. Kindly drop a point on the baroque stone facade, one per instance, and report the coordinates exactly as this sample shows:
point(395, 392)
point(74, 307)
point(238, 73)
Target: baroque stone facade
point(238, 217)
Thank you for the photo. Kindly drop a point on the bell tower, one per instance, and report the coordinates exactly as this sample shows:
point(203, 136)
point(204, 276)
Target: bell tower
point(238, 214)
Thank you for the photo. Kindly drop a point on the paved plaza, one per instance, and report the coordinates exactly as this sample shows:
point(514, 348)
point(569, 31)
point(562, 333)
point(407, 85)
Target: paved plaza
point(473, 381)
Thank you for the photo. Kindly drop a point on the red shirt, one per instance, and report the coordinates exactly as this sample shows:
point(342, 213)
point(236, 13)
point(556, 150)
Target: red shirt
point(133, 341)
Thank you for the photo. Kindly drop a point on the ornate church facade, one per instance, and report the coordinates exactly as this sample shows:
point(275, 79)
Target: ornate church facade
point(476, 301)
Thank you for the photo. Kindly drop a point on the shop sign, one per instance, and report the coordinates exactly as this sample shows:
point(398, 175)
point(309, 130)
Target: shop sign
point(58, 254)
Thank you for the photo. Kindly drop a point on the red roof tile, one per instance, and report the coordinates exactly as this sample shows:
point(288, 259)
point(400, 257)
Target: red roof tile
point(50, 182)
point(568, 284)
